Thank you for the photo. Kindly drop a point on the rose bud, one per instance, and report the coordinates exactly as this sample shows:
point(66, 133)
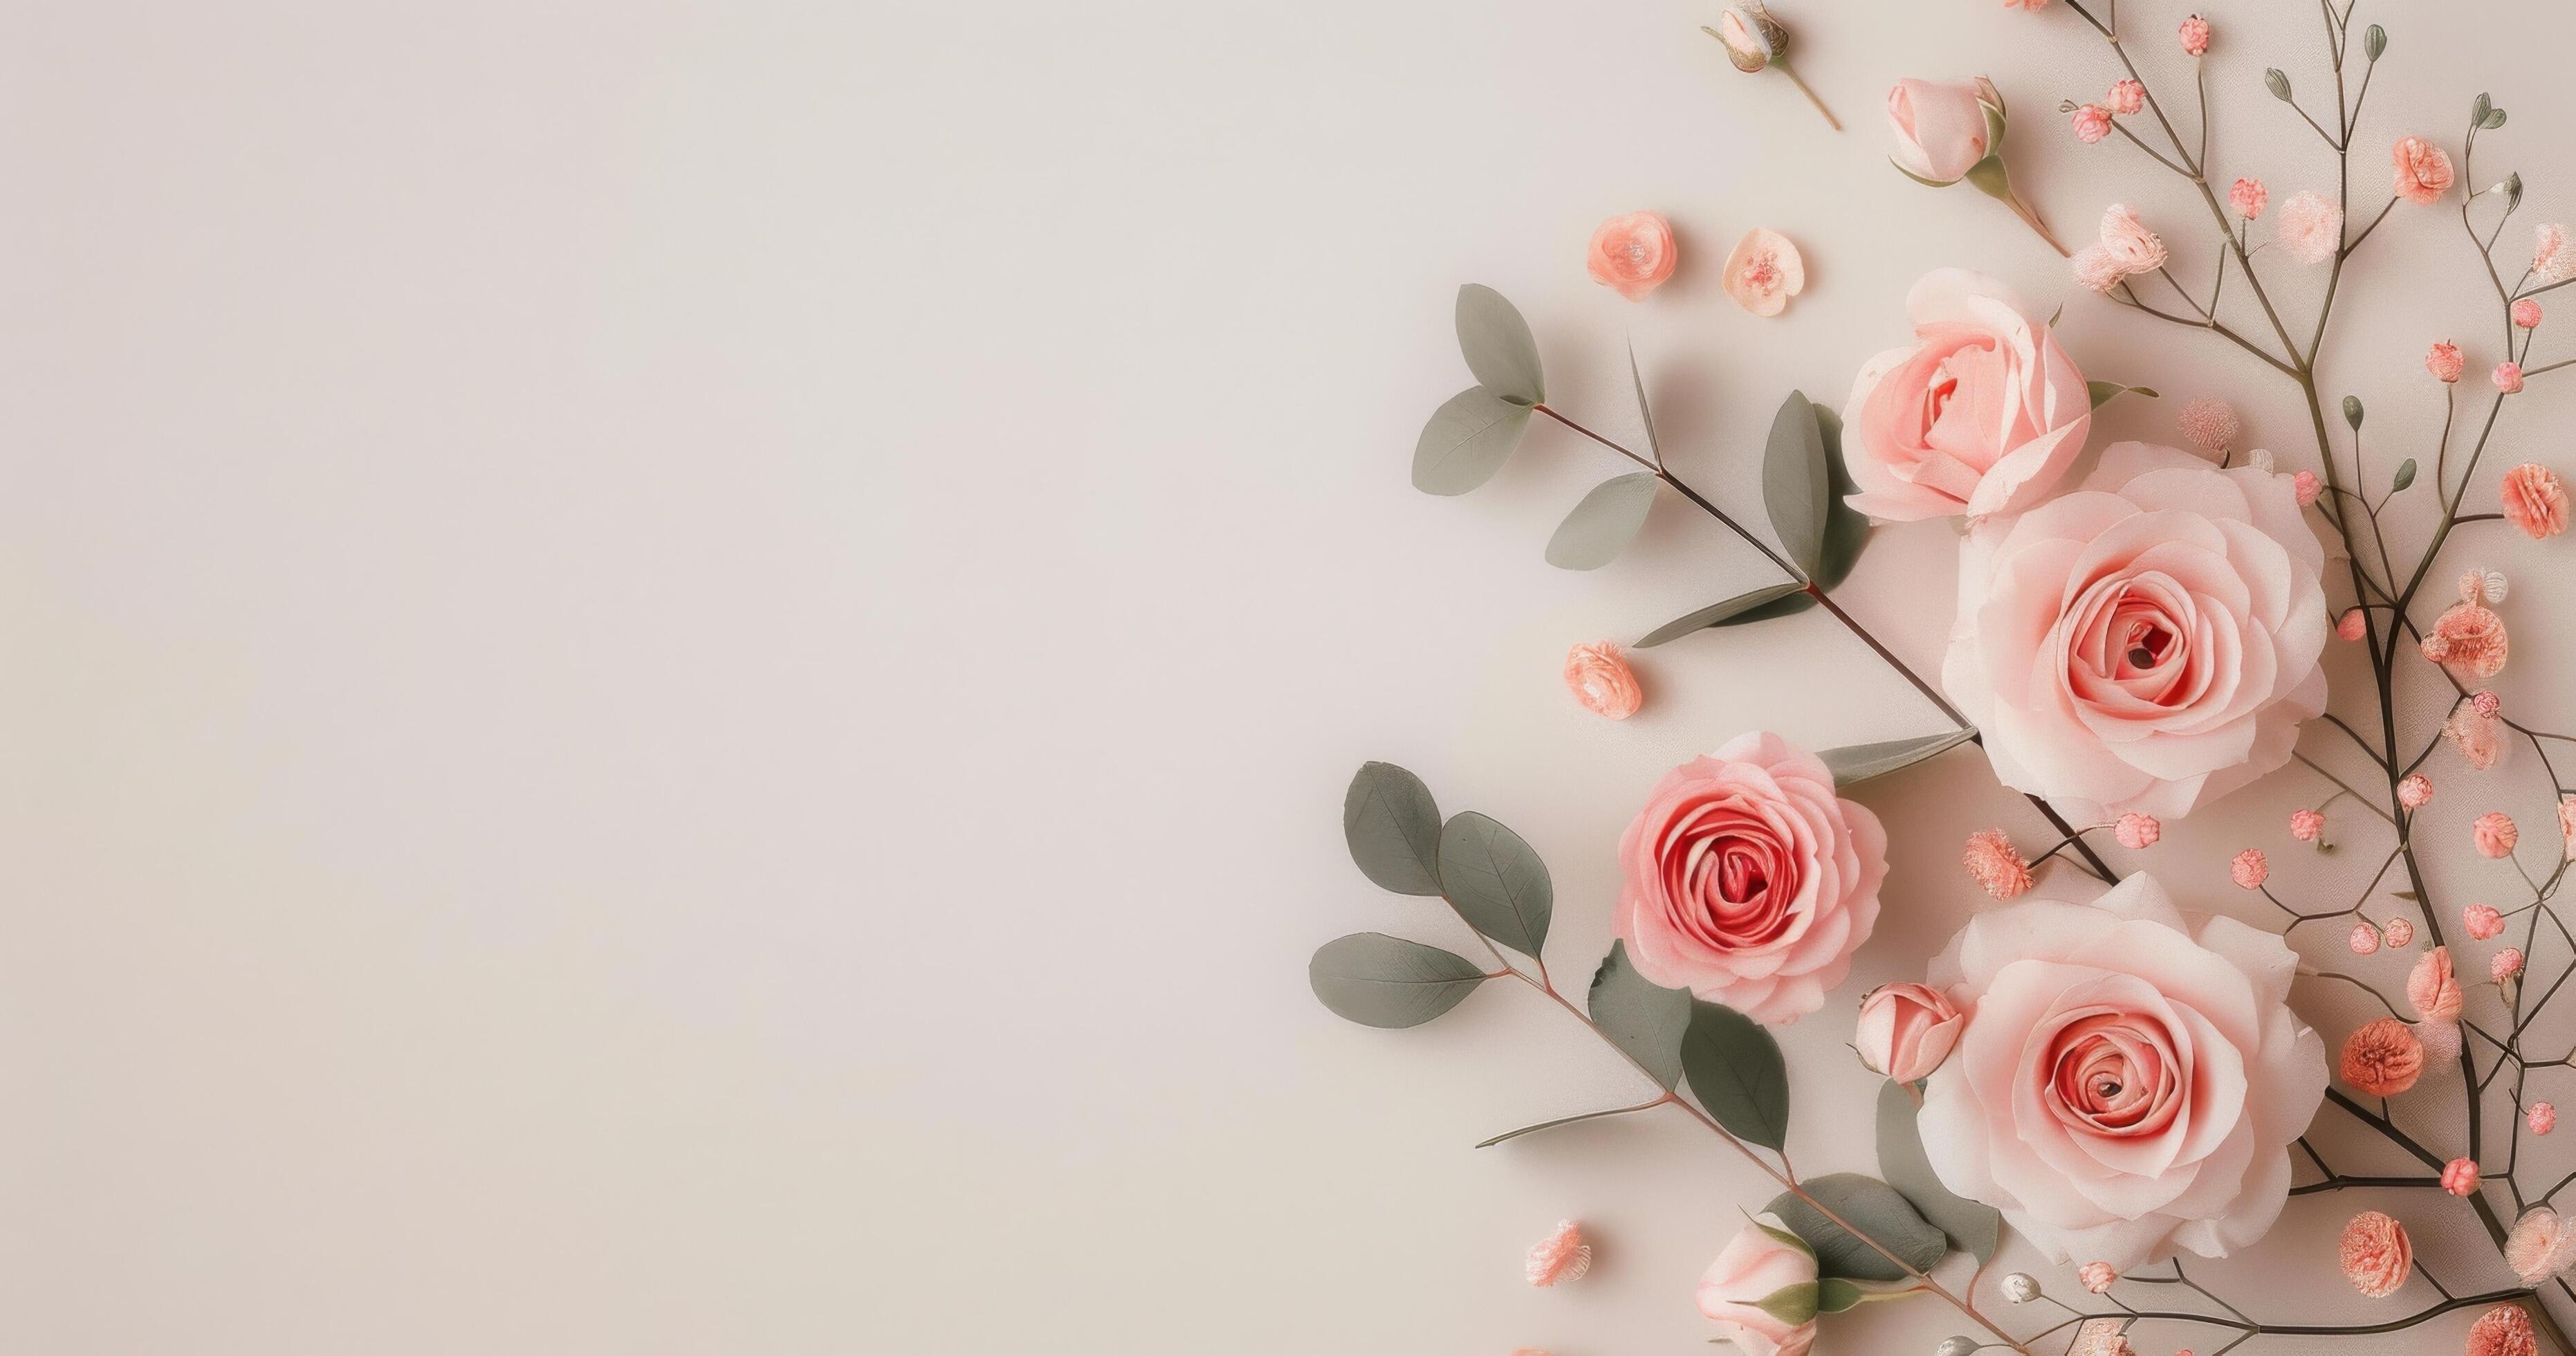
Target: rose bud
point(1906, 1031)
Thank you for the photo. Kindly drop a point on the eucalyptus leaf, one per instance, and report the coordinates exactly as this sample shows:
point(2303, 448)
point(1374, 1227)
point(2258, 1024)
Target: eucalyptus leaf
point(2352, 412)
point(1718, 613)
point(1469, 438)
point(1975, 1228)
point(1853, 764)
point(1497, 881)
point(1796, 486)
point(1559, 1123)
point(1393, 827)
point(2104, 392)
point(1846, 528)
point(2374, 41)
point(1377, 980)
point(2495, 119)
point(2480, 107)
point(1874, 1208)
point(1498, 345)
point(2405, 476)
point(2279, 84)
point(1789, 606)
point(1644, 411)
point(1639, 1016)
point(1737, 1072)
point(1605, 522)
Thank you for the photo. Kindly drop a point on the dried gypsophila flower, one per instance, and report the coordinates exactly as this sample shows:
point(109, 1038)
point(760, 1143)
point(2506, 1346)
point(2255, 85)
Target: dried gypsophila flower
point(2400, 932)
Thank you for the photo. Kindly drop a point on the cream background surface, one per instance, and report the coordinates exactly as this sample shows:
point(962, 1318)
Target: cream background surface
point(679, 675)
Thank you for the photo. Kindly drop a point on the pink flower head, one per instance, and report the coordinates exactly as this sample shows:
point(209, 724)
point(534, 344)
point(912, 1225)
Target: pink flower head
point(2249, 870)
point(2195, 36)
point(2095, 269)
point(2478, 737)
point(2136, 831)
point(2469, 640)
point(2432, 989)
point(2306, 825)
point(2551, 260)
point(2352, 625)
point(2445, 362)
point(2382, 1058)
point(2495, 834)
point(1748, 882)
point(2309, 228)
point(1754, 1288)
point(2486, 703)
point(1632, 253)
point(2365, 939)
point(2541, 1245)
point(1996, 864)
point(1764, 271)
point(1941, 129)
point(2132, 247)
point(2482, 922)
point(1906, 1030)
point(2209, 424)
point(2460, 1175)
point(2526, 314)
point(2126, 97)
point(2508, 378)
point(2092, 123)
point(2542, 1118)
point(2376, 1255)
point(2415, 792)
point(2504, 1330)
point(1980, 413)
point(2247, 197)
point(2535, 500)
point(2401, 932)
point(2567, 823)
point(1561, 1256)
point(2307, 487)
point(2097, 1277)
point(2423, 170)
point(1599, 676)
point(2505, 964)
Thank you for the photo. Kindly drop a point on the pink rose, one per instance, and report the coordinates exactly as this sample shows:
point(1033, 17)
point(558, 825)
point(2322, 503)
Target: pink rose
point(1941, 130)
point(2147, 642)
point(1748, 882)
point(1632, 253)
point(2127, 1084)
point(2423, 170)
point(1765, 1278)
point(1982, 414)
point(1906, 1030)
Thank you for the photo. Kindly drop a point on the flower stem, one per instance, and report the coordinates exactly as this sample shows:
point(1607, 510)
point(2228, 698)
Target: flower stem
point(1794, 78)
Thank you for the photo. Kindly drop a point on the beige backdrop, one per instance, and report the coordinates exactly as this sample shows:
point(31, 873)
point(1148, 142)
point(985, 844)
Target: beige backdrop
point(680, 675)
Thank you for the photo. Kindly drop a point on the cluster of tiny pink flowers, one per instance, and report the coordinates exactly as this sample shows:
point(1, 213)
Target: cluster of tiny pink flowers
point(2136, 831)
point(2460, 1176)
point(2365, 939)
point(2248, 197)
point(2445, 363)
point(2508, 378)
point(2486, 703)
point(2249, 869)
point(2195, 36)
point(2526, 314)
point(2494, 834)
point(2415, 792)
point(2401, 931)
point(2308, 228)
point(2505, 964)
point(2551, 260)
point(2542, 1118)
point(2306, 825)
point(2306, 487)
point(2092, 123)
point(2481, 921)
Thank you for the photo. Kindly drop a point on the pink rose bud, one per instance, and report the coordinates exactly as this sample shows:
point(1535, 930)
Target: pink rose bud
point(1940, 129)
point(2445, 362)
point(2460, 1176)
point(2195, 36)
point(1906, 1031)
point(2526, 313)
point(1632, 253)
point(2092, 123)
point(2535, 500)
point(2306, 487)
point(1600, 678)
point(2352, 625)
point(2249, 870)
point(2542, 1118)
point(2305, 825)
point(2248, 196)
point(2365, 939)
point(1744, 1288)
point(2098, 1277)
point(2508, 378)
point(2487, 704)
point(2494, 834)
point(2505, 964)
point(2136, 831)
point(2482, 922)
point(2126, 97)
point(2415, 792)
point(2401, 932)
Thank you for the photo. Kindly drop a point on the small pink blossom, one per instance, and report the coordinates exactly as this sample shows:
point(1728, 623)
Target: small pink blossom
point(1561, 1256)
point(2209, 424)
point(2132, 247)
point(2097, 1277)
point(2505, 964)
point(2541, 1244)
point(2460, 1176)
point(2095, 269)
point(2306, 487)
point(2567, 823)
point(2551, 260)
point(1632, 253)
point(2352, 625)
point(2195, 36)
point(2376, 1255)
point(2445, 362)
point(2535, 500)
point(2469, 640)
point(1764, 271)
point(2365, 939)
point(1599, 676)
point(2248, 197)
point(2249, 870)
point(2482, 922)
point(2526, 314)
point(2305, 825)
point(2486, 703)
point(2382, 1058)
point(2508, 378)
point(2308, 228)
point(2542, 1118)
point(2504, 1330)
point(2126, 97)
point(2423, 170)
point(1996, 864)
point(2092, 123)
point(2432, 988)
point(2479, 737)
point(2415, 792)
point(2401, 932)
point(2494, 834)
point(2136, 831)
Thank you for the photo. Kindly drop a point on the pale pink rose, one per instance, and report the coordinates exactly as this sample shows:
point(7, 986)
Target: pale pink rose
point(1748, 882)
point(2126, 97)
point(2308, 228)
point(2364, 940)
point(2445, 363)
point(2541, 1245)
point(2482, 922)
point(2136, 831)
point(1940, 129)
point(2401, 931)
point(2505, 964)
point(2535, 500)
point(2352, 625)
point(2469, 640)
point(1561, 1256)
point(2128, 1083)
point(2376, 1254)
point(1632, 253)
point(2306, 825)
point(2382, 1058)
point(2504, 1330)
point(2494, 834)
point(2415, 792)
point(1993, 861)
point(1599, 676)
point(2132, 247)
point(2208, 424)
point(2526, 314)
point(2092, 123)
point(2508, 378)
point(1981, 414)
point(2095, 269)
point(2195, 36)
point(2542, 1118)
point(2423, 170)
point(1764, 271)
point(2551, 259)
point(2460, 1176)
point(1762, 1261)
point(2097, 1277)
point(2248, 197)
point(2147, 642)
point(2431, 988)
point(1906, 1031)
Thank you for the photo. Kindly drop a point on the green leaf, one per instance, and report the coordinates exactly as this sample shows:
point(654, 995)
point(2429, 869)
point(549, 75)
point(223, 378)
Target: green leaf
point(1796, 487)
point(2352, 412)
point(1846, 528)
point(1644, 411)
point(1976, 1229)
point(1498, 883)
point(1927, 183)
point(2513, 191)
point(1874, 1208)
point(1789, 606)
point(1469, 438)
point(1498, 345)
point(1377, 980)
point(2405, 476)
point(2480, 107)
point(2374, 41)
point(2279, 84)
point(1559, 1121)
point(1792, 1304)
point(2495, 119)
point(1716, 614)
point(1605, 522)
point(1856, 763)
point(1737, 1072)
point(1393, 827)
point(1840, 1296)
point(1639, 1016)
point(2104, 392)
point(1989, 177)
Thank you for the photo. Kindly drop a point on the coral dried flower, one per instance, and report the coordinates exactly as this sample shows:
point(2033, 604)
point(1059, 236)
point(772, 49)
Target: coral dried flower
point(1561, 1256)
point(2195, 36)
point(2248, 197)
point(2352, 625)
point(2482, 922)
point(2306, 825)
point(2376, 1254)
point(2504, 1330)
point(2505, 964)
point(2401, 931)
point(2460, 1176)
point(2095, 269)
point(2136, 831)
point(1600, 678)
point(2469, 640)
point(2540, 1246)
point(2097, 1277)
point(2126, 97)
point(2092, 123)
point(2431, 988)
point(2526, 314)
point(1632, 253)
point(2445, 362)
point(2416, 791)
point(2305, 487)
point(2383, 1058)
point(2542, 1118)
point(1764, 271)
point(2365, 939)
point(2209, 424)
point(2507, 378)
point(1996, 864)
point(2535, 500)
point(2249, 870)
point(2309, 228)
point(2423, 170)
point(2486, 703)
point(2494, 834)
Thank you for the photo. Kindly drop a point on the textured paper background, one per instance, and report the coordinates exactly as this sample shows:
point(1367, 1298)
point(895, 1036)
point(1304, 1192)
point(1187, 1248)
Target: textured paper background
point(679, 675)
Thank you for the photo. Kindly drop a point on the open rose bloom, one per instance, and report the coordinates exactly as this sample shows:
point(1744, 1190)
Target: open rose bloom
point(2128, 1083)
point(2146, 642)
